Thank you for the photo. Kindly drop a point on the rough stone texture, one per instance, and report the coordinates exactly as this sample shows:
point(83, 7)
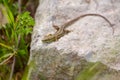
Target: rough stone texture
point(90, 40)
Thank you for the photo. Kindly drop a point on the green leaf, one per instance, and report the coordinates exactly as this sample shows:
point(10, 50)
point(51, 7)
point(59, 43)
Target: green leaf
point(6, 46)
point(7, 12)
point(90, 71)
point(5, 56)
point(22, 52)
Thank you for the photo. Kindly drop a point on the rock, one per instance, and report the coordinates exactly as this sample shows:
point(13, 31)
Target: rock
point(91, 40)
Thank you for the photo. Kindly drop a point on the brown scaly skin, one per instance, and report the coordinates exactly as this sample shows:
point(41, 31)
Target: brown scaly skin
point(61, 30)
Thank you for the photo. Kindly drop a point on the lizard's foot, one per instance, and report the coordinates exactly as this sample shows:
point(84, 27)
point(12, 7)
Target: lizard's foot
point(67, 31)
point(56, 27)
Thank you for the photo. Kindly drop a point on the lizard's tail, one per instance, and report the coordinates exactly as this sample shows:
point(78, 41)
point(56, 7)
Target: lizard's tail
point(85, 15)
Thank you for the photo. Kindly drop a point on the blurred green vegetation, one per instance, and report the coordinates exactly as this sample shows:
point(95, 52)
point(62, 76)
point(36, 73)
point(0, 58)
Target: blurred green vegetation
point(90, 71)
point(14, 40)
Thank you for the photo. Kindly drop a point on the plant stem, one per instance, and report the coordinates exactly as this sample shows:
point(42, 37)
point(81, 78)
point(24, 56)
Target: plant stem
point(12, 68)
point(18, 42)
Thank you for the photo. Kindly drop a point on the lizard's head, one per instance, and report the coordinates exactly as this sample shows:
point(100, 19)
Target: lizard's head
point(48, 38)
point(54, 37)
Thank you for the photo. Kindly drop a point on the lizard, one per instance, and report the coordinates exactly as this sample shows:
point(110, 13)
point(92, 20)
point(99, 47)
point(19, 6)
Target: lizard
point(61, 30)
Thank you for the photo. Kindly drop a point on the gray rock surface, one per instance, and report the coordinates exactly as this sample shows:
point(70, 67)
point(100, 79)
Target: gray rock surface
point(90, 40)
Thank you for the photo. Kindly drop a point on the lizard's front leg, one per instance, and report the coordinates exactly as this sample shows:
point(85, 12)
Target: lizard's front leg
point(88, 1)
point(56, 27)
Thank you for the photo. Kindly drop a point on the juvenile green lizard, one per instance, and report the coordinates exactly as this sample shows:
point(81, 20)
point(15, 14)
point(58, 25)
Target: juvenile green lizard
point(61, 30)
